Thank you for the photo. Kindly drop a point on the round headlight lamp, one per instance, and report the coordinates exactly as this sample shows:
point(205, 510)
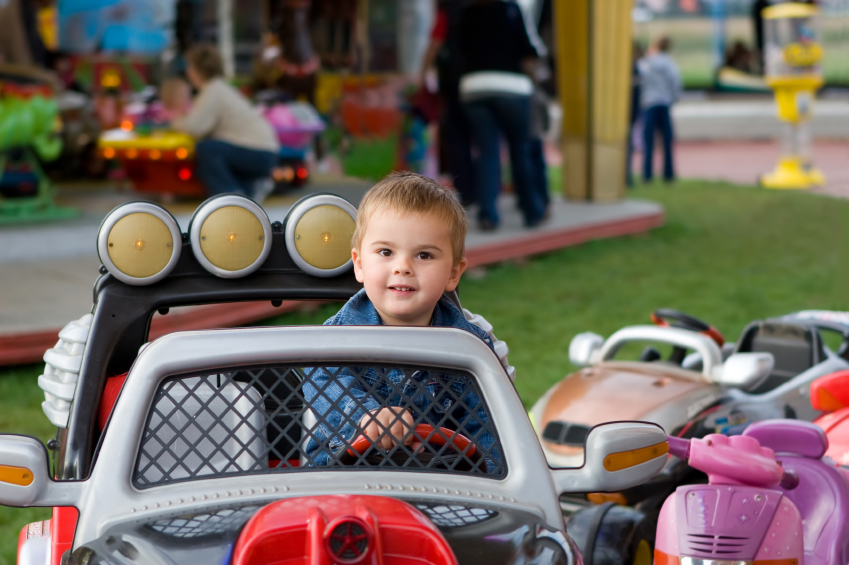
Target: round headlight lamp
point(139, 243)
point(230, 236)
point(318, 234)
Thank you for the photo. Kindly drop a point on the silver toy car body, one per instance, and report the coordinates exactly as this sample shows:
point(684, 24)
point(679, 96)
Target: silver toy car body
point(231, 442)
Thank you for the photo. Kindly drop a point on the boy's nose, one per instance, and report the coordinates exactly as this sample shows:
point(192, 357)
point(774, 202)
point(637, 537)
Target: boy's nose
point(402, 267)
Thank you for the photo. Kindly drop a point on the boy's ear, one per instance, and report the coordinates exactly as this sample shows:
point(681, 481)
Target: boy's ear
point(456, 272)
point(358, 264)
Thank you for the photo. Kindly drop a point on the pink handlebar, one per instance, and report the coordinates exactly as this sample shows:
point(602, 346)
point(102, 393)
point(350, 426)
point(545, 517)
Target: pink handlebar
point(679, 447)
point(734, 460)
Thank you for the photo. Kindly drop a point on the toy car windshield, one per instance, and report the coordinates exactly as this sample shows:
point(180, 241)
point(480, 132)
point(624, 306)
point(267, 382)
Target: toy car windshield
point(284, 418)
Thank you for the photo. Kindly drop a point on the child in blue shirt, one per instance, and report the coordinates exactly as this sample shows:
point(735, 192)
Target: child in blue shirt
point(408, 250)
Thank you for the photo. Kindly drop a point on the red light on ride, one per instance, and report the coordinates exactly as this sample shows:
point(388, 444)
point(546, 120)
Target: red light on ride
point(348, 540)
point(184, 173)
point(302, 173)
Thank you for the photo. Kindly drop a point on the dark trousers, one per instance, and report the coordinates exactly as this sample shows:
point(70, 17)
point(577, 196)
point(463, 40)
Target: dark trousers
point(540, 170)
point(657, 118)
point(224, 167)
point(489, 118)
point(455, 150)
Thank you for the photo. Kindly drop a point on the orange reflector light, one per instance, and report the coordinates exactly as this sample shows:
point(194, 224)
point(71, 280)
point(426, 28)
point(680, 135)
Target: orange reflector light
point(15, 475)
point(131, 154)
point(625, 459)
point(182, 153)
point(108, 153)
point(602, 497)
point(184, 174)
point(277, 173)
point(302, 173)
point(154, 154)
point(127, 125)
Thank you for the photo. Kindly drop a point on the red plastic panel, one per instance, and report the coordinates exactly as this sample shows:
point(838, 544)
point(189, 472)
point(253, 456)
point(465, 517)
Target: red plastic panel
point(64, 524)
point(110, 396)
point(836, 426)
point(831, 392)
point(297, 531)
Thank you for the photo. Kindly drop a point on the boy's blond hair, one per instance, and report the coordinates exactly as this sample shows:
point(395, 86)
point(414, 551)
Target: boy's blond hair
point(409, 193)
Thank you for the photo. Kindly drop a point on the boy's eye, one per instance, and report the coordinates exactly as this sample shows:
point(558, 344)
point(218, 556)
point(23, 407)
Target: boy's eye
point(424, 255)
point(384, 252)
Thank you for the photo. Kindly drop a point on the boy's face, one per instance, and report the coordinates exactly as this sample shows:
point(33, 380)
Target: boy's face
point(405, 263)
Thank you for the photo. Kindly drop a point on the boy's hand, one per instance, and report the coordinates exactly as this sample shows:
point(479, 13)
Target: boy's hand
point(389, 424)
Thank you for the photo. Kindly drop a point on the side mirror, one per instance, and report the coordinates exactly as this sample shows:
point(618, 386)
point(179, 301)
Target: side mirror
point(584, 349)
point(618, 455)
point(744, 370)
point(25, 476)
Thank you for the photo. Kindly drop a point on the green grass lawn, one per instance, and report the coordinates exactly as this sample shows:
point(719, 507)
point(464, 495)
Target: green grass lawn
point(727, 254)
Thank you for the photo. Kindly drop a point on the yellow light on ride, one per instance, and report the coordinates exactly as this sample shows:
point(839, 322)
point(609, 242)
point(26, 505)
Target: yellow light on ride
point(182, 153)
point(318, 234)
point(110, 79)
point(323, 237)
point(139, 243)
point(108, 153)
point(131, 153)
point(230, 236)
point(241, 233)
point(155, 154)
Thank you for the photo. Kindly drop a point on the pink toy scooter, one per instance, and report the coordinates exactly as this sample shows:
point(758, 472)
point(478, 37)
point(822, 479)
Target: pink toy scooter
point(771, 499)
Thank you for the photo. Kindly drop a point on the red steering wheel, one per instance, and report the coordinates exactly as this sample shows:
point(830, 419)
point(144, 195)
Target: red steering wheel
point(458, 441)
point(669, 317)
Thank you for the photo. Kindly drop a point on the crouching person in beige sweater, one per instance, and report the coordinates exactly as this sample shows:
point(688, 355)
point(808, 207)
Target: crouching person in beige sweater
point(236, 147)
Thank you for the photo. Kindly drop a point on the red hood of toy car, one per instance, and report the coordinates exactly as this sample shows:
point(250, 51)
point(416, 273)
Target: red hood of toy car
point(341, 529)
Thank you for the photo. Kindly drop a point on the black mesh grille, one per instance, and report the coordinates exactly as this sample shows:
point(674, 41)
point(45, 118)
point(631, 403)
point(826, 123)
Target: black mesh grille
point(206, 524)
point(283, 418)
point(455, 516)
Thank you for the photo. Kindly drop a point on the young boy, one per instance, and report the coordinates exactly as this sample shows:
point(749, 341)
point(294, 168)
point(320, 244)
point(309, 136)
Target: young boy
point(175, 96)
point(408, 249)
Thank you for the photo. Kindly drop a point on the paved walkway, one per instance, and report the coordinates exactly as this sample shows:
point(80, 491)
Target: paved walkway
point(753, 119)
point(742, 162)
point(47, 272)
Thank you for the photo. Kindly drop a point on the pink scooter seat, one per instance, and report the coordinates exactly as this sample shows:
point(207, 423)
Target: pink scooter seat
point(790, 436)
point(822, 495)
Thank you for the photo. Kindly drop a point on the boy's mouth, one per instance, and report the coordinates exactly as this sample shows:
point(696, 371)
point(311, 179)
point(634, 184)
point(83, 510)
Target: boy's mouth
point(402, 288)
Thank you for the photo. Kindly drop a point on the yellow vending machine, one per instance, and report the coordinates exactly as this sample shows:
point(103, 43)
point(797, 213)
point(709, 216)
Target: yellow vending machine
point(792, 54)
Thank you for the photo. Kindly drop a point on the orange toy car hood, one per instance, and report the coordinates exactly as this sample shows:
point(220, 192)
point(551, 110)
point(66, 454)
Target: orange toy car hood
point(614, 391)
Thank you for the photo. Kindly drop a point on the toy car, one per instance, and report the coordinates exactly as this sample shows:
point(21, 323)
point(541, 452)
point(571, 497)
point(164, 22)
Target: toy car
point(199, 453)
point(765, 375)
point(703, 386)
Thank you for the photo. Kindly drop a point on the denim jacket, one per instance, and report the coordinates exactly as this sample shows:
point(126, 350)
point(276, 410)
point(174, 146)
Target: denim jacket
point(340, 405)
